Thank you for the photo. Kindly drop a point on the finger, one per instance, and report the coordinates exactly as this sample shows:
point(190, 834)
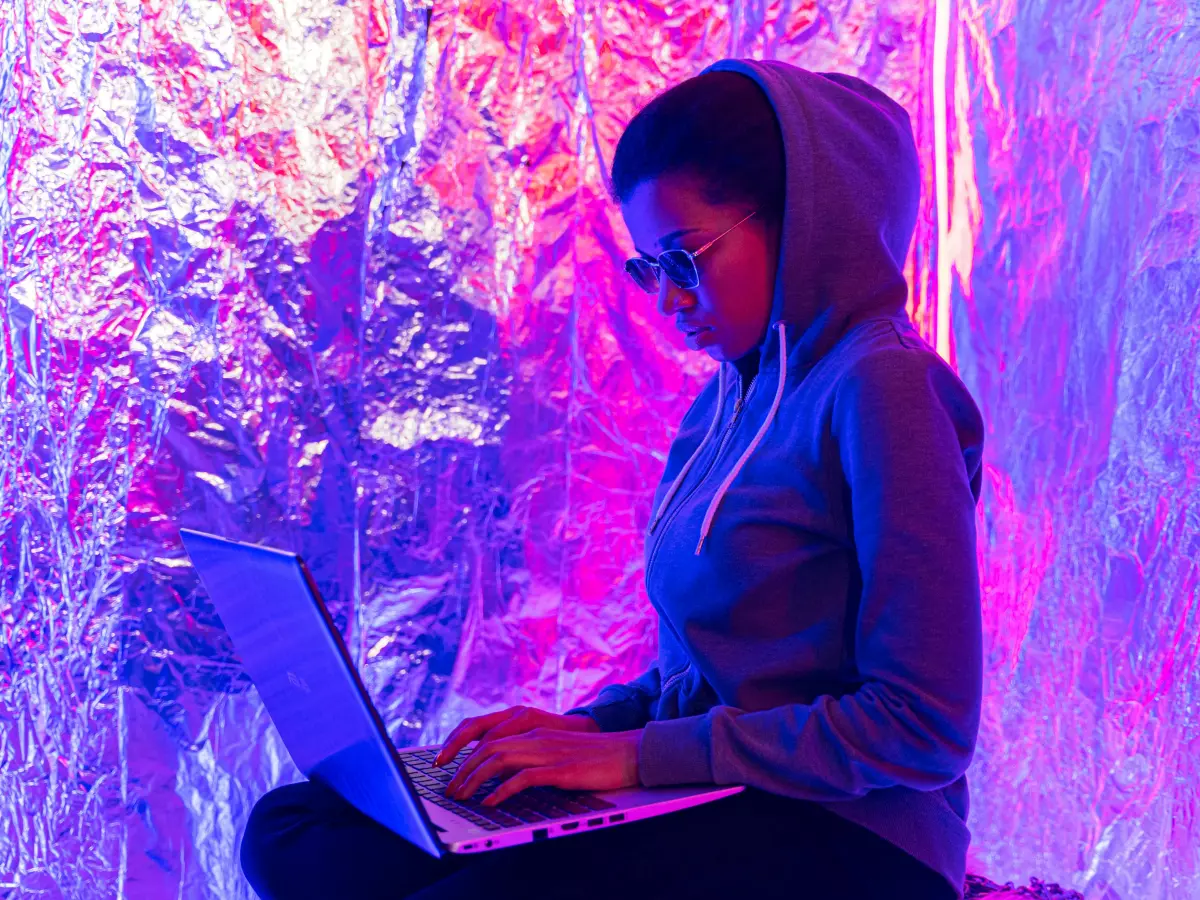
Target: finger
point(477, 757)
point(477, 723)
point(521, 723)
point(496, 764)
point(469, 730)
point(517, 749)
point(527, 778)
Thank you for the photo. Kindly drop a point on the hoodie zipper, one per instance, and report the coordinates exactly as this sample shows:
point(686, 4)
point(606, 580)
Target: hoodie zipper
point(674, 678)
point(738, 406)
point(664, 523)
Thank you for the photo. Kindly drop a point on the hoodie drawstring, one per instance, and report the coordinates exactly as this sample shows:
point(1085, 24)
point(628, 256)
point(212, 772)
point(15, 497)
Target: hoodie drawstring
point(716, 501)
point(662, 507)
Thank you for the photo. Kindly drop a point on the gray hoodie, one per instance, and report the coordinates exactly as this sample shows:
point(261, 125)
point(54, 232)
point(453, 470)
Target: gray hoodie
point(811, 555)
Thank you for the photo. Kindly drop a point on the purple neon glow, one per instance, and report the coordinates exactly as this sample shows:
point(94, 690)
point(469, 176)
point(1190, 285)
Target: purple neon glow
point(344, 278)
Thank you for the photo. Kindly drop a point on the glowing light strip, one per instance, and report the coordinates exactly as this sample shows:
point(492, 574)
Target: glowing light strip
point(941, 150)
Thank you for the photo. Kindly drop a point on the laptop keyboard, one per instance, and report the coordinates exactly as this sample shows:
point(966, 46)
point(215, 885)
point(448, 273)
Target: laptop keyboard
point(538, 804)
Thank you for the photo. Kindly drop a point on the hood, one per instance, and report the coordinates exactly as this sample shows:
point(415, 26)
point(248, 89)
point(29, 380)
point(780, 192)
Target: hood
point(852, 190)
point(850, 208)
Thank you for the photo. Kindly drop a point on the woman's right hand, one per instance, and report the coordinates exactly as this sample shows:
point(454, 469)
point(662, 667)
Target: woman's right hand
point(506, 722)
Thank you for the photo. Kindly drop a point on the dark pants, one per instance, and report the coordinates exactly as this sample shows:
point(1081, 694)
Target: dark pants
point(303, 841)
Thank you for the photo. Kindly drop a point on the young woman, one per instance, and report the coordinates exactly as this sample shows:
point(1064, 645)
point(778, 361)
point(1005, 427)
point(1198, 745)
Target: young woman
point(811, 553)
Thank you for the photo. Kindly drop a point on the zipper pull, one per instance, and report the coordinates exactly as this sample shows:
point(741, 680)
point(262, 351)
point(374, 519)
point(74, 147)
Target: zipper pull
point(740, 400)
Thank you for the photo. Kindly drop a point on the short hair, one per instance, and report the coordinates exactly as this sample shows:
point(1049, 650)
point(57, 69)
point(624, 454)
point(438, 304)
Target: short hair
point(718, 127)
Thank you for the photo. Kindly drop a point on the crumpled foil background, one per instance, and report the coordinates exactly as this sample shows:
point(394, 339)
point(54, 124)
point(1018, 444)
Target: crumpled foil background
point(342, 277)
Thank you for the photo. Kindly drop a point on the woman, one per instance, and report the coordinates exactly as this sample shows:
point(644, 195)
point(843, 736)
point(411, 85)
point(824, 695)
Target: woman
point(811, 553)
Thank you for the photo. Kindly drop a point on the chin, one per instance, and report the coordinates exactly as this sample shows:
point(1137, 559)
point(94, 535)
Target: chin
point(720, 354)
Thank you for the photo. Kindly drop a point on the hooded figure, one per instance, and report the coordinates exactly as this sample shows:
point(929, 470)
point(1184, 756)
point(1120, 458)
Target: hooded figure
point(811, 551)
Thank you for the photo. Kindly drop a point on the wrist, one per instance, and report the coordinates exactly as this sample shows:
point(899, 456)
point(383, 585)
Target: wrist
point(585, 723)
point(633, 743)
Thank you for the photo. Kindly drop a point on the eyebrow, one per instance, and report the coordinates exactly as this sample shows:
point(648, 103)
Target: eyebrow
point(666, 239)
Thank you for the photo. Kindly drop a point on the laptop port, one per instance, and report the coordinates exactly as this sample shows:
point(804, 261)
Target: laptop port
point(619, 817)
point(592, 823)
point(540, 834)
point(569, 826)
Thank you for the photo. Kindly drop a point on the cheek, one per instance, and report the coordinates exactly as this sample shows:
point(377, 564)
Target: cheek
point(758, 289)
point(740, 296)
point(726, 286)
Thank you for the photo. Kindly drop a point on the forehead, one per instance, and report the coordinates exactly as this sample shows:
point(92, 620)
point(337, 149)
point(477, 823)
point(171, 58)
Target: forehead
point(659, 206)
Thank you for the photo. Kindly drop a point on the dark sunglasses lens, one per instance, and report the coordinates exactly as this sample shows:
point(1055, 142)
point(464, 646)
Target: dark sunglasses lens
point(643, 272)
point(680, 268)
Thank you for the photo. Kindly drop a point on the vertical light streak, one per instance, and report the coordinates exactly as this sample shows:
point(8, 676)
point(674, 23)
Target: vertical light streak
point(941, 45)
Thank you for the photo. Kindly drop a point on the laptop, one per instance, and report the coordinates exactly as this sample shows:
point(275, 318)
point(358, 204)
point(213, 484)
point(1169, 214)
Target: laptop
point(280, 627)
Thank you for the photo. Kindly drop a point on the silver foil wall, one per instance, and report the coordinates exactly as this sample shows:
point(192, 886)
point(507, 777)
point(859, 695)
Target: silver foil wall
point(343, 278)
point(1076, 305)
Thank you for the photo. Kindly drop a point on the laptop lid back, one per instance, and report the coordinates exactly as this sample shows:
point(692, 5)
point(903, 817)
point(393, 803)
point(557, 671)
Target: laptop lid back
point(272, 611)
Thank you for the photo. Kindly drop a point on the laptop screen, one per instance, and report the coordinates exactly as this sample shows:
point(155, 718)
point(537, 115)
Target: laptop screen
point(289, 647)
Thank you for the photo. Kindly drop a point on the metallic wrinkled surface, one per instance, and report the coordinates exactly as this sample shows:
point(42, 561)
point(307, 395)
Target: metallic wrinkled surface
point(1077, 314)
point(343, 278)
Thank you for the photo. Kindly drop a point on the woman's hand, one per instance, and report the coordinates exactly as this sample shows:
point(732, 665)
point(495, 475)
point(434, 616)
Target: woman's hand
point(576, 760)
point(505, 722)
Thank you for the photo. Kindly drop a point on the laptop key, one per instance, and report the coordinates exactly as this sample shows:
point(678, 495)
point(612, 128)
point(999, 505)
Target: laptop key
point(494, 815)
point(593, 803)
point(551, 812)
point(528, 815)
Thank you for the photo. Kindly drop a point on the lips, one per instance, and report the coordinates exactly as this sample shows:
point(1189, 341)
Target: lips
point(690, 330)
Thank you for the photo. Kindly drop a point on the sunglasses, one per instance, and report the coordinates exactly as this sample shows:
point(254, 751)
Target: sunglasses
point(678, 265)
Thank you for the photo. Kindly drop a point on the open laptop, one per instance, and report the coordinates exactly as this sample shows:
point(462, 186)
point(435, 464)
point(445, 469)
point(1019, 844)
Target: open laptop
point(289, 646)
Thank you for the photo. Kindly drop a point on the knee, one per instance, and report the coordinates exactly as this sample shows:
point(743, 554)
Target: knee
point(277, 819)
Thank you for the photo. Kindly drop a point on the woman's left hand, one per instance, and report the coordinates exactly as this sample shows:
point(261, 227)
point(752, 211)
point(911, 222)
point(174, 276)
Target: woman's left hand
point(572, 760)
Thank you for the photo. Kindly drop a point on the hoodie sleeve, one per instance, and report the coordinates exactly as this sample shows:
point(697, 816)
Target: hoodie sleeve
point(910, 439)
point(624, 707)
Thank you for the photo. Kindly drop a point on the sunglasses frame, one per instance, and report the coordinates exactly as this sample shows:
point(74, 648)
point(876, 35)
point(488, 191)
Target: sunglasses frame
point(657, 269)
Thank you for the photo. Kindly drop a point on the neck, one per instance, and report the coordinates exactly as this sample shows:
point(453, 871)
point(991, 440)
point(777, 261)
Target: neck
point(747, 366)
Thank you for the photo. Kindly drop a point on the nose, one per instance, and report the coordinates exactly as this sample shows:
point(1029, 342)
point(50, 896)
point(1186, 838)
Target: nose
point(671, 296)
